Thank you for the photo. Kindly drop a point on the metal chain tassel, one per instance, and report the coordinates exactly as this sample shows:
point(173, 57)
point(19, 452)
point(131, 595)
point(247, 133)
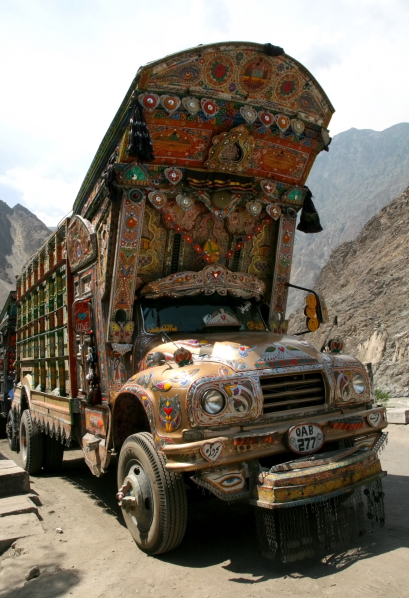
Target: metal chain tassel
point(320, 527)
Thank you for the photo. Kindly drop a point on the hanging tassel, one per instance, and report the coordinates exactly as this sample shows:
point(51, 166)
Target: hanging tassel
point(310, 220)
point(109, 176)
point(140, 144)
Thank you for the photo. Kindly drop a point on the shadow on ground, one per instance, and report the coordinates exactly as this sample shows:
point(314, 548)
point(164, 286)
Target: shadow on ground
point(221, 533)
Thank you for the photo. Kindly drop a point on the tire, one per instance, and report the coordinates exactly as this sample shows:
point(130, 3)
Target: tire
point(53, 454)
point(11, 431)
point(158, 523)
point(31, 444)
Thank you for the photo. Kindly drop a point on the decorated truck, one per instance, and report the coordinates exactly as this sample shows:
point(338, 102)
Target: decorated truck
point(151, 324)
point(7, 358)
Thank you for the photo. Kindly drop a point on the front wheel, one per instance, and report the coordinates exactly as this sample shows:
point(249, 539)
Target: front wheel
point(153, 500)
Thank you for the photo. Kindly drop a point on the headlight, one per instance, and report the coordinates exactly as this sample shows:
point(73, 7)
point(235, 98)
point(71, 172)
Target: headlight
point(359, 383)
point(213, 402)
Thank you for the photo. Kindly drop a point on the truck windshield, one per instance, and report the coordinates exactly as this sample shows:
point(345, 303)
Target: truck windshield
point(201, 314)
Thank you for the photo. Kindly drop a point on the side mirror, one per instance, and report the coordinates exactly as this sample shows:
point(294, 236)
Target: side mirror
point(315, 310)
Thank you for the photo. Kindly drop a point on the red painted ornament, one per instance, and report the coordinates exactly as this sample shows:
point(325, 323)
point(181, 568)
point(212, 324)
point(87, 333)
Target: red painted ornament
point(197, 248)
point(229, 254)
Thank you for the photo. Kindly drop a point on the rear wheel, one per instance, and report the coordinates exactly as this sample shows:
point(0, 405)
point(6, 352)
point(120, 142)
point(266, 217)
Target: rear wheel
point(53, 454)
point(11, 430)
point(153, 500)
point(31, 444)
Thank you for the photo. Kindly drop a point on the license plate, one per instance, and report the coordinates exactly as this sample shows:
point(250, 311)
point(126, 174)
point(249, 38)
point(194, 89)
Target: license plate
point(305, 439)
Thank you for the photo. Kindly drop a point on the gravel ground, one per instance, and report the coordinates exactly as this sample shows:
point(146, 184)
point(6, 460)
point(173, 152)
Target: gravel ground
point(95, 556)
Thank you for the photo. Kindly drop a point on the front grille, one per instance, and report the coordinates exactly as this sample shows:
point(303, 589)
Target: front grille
point(292, 391)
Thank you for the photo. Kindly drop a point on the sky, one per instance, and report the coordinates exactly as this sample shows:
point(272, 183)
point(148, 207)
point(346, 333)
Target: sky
point(66, 65)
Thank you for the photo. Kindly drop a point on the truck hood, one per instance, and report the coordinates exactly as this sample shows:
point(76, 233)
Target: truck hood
point(260, 350)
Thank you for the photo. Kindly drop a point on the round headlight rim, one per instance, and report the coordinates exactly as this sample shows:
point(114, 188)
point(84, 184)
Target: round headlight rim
point(363, 383)
point(203, 398)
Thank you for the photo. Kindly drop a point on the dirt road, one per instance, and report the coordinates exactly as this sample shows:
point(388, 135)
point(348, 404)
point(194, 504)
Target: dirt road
point(96, 558)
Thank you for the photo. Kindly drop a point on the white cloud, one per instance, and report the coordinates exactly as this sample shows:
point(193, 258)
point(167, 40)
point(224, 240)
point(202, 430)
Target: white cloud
point(48, 196)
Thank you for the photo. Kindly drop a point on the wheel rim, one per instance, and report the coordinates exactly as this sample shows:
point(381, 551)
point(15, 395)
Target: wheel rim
point(136, 497)
point(23, 443)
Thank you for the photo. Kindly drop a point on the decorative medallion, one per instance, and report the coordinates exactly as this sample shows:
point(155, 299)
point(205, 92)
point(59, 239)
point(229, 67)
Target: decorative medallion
point(294, 195)
point(268, 187)
point(375, 419)
point(134, 174)
point(232, 151)
point(305, 439)
point(169, 413)
point(336, 345)
point(287, 86)
point(149, 101)
point(174, 175)
point(182, 357)
point(184, 202)
point(157, 199)
point(212, 451)
point(283, 122)
point(274, 211)
point(266, 118)
point(209, 107)
point(254, 207)
point(218, 70)
point(170, 103)
point(256, 74)
point(192, 105)
point(248, 113)
point(297, 126)
point(291, 212)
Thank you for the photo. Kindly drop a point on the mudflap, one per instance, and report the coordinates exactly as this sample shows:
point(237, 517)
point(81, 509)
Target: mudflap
point(316, 510)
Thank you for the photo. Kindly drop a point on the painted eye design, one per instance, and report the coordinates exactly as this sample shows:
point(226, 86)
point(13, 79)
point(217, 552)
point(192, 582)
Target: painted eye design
point(230, 481)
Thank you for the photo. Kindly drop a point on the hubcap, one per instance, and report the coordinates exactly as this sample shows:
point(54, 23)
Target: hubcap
point(135, 496)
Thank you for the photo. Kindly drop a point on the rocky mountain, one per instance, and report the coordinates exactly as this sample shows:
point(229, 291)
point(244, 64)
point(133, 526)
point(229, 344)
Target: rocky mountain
point(362, 172)
point(366, 283)
point(21, 234)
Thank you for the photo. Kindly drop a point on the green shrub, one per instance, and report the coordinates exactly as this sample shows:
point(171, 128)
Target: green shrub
point(381, 396)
